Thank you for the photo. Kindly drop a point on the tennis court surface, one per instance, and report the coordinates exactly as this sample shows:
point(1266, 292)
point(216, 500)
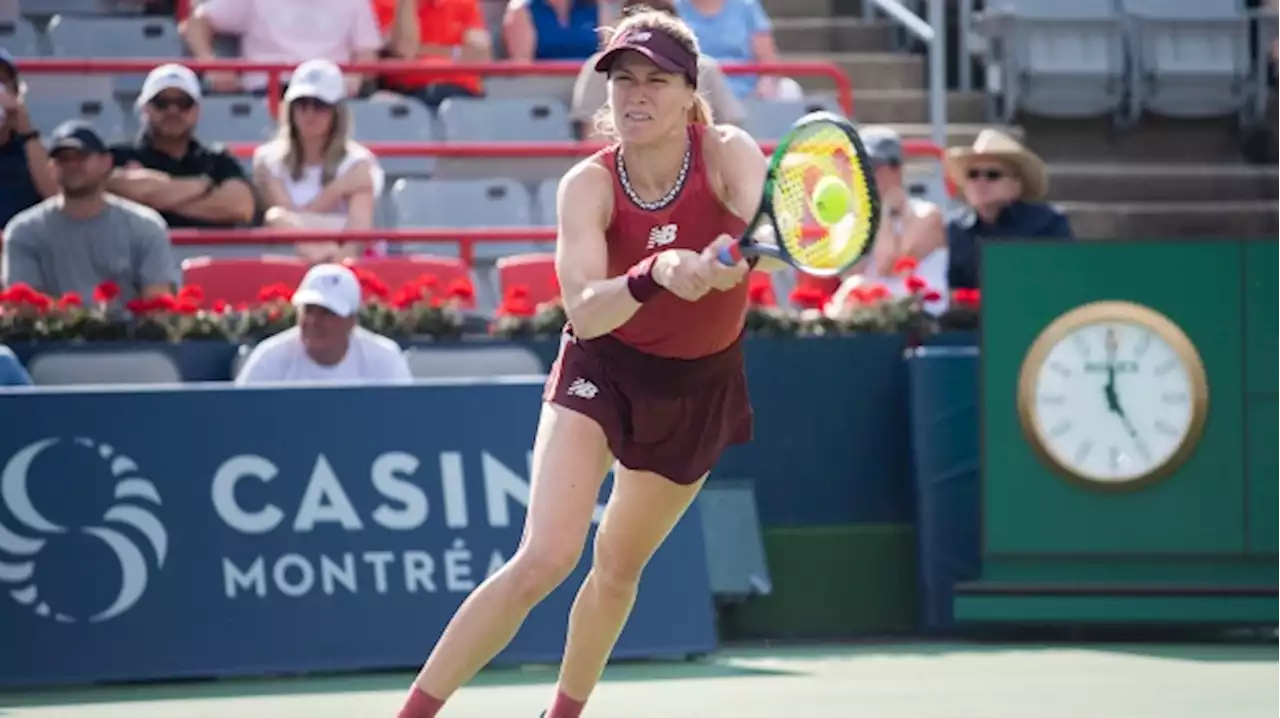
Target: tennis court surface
point(863, 681)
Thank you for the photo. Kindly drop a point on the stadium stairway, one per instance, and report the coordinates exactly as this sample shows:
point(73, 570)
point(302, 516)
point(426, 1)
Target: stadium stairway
point(1164, 178)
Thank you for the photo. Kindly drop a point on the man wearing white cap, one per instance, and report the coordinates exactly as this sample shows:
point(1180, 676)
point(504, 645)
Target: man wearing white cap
point(165, 168)
point(326, 345)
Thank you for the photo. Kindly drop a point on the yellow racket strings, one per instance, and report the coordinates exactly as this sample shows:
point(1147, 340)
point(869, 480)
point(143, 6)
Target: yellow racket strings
point(818, 151)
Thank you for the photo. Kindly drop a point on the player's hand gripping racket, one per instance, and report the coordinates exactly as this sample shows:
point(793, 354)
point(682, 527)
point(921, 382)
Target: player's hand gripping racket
point(820, 200)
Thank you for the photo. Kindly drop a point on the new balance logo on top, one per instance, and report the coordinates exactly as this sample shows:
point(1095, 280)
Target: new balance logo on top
point(662, 235)
point(582, 389)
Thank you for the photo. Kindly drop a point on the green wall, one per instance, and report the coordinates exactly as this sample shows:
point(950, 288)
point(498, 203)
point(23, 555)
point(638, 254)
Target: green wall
point(832, 582)
point(1211, 527)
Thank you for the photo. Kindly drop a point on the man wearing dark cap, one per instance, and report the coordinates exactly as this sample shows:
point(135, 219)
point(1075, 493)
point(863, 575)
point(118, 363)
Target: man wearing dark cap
point(25, 175)
point(83, 236)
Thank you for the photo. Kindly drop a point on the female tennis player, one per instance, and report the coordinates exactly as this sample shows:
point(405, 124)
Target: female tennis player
point(650, 371)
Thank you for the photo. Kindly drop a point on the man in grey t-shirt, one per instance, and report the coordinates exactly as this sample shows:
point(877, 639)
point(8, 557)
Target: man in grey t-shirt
point(82, 236)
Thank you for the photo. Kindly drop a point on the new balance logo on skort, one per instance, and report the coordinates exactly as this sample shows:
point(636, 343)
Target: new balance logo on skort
point(662, 235)
point(582, 389)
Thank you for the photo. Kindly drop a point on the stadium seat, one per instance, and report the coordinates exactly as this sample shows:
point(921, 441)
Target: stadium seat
point(464, 203)
point(1191, 58)
point(511, 120)
point(504, 120)
point(395, 272)
point(544, 202)
point(480, 362)
point(116, 37)
point(237, 280)
point(394, 120)
point(537, 272)
point(1057, 59)
point(227, 118)
point(770, 119)
point(141, 366)
point(531, 87)
point(22, 39)
point(104, 114)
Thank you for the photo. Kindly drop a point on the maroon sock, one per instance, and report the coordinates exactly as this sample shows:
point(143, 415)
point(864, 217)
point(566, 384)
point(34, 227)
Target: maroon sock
point(565, 707)
point(420, 704)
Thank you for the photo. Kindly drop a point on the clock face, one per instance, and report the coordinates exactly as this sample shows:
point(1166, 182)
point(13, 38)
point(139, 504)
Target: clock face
point(1113, 401)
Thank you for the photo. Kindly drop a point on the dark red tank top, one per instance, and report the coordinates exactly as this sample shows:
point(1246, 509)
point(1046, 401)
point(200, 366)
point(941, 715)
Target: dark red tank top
point(667, 325)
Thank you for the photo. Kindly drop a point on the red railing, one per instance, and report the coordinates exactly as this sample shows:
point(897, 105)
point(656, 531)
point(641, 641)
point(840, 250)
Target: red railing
point(465, 238)
point(844, 89)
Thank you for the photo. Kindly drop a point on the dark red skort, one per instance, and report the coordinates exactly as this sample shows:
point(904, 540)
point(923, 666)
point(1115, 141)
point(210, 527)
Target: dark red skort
point(673, 417)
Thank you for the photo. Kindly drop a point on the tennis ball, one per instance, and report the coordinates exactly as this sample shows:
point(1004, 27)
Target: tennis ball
point(831, 199)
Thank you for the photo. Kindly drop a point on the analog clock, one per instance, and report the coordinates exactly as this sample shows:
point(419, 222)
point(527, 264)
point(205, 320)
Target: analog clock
point(1113, 394)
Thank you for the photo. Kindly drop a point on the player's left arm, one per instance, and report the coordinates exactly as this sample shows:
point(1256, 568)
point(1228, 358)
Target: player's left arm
point(742, 168)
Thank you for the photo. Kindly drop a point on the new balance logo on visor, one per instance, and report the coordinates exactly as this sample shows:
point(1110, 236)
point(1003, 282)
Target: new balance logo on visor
point(662, 235)
point(582, 389)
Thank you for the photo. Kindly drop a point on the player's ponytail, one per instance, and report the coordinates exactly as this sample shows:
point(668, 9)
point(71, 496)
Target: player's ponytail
point(700, 113)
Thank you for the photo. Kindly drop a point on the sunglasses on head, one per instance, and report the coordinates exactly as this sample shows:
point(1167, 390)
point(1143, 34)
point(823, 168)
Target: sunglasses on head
point(182, 103)
point(990, 175)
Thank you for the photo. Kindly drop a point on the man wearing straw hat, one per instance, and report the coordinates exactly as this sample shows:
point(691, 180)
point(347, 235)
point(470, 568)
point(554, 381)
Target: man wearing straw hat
point(1004, 186)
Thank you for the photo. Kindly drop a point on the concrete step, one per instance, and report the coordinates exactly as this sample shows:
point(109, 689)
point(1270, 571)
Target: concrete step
point(1112, 182)
point(810, 35)
point(957, 133)
point(912, 106)
point(1153, 140)
point(1156, 220)
point(866, 70)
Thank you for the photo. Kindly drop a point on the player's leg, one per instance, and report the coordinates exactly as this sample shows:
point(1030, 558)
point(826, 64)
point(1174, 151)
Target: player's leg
point(570, 458)
point(642, 510)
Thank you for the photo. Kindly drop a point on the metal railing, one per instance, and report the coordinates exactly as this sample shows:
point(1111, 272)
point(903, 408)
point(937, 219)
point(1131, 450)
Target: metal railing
point(275, 83)
point(933, 33)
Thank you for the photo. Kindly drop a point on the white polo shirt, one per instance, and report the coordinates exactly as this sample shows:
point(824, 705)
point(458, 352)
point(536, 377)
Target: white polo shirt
point(371, 358)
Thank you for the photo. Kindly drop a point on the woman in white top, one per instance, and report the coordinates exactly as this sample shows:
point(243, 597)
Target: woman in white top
point(313, 175)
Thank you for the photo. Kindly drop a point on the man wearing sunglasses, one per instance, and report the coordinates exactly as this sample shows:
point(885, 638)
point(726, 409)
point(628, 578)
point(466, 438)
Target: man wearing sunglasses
point(190, 184)
point(1005, 186)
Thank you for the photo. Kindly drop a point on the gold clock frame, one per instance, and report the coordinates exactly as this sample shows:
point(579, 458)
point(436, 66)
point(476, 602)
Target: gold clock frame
point(1115, 311)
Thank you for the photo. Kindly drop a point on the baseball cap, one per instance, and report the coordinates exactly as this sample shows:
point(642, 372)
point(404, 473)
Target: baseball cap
point(170, 76)
point(331, 286)
point(76, 135)
point(884, 146)
point(319, 79)
point(660, 48)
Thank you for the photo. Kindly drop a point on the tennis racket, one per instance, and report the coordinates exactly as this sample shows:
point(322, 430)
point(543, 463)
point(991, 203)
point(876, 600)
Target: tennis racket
point(820, 201)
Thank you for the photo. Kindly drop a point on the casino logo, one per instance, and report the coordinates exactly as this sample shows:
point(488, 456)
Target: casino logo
point(130, 517)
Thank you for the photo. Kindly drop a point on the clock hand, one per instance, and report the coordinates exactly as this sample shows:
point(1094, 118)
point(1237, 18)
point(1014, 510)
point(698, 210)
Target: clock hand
point(1109, 390)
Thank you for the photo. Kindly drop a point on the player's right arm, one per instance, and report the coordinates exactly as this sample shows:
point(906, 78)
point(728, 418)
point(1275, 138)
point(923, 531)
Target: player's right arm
point(596, 304)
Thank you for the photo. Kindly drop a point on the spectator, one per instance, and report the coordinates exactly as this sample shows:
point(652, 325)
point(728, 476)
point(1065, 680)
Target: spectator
point(1004, 186)
point(168, 170)
point(909, 226)
point(25, 174)
point(83, 236)
point(12, 373)
point(326, 345)
point(313, 175)
point(553, 29)
point(739, 31)
point(435, 32)
point(284, 31)
point(590, 90)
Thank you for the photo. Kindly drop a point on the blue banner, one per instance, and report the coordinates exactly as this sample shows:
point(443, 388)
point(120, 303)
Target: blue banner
point(219, 531)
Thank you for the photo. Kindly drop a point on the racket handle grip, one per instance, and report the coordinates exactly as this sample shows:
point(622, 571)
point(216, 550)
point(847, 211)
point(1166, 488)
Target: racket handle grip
point(730, 255)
